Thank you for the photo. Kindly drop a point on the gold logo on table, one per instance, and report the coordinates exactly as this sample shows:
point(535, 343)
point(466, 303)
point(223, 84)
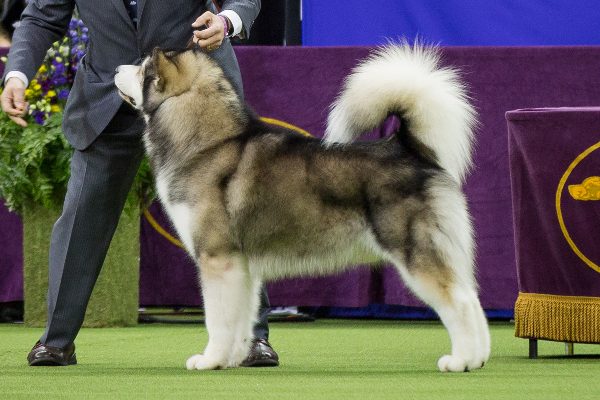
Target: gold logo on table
point(588, 190)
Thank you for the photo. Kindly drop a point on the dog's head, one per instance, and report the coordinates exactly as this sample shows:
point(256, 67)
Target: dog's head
point(164, 75)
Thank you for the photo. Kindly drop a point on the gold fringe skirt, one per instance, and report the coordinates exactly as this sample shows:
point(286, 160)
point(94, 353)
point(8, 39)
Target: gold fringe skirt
point(560, 318)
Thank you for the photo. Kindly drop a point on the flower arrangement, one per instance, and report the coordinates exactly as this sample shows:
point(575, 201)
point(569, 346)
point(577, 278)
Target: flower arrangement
point(35, 161)
point(48, 91)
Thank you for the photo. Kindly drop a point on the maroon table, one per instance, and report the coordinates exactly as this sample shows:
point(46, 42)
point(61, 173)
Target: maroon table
point(554, 156)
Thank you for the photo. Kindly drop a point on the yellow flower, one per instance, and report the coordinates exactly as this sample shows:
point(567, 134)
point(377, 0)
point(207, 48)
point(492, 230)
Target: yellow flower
point(27, 92)
point(43, 69)
point(55, 108)
point(37, 87)
point(51, 93)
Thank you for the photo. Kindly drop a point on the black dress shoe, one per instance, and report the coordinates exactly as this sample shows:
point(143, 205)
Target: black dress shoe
point(261, 355)
point(42, 355)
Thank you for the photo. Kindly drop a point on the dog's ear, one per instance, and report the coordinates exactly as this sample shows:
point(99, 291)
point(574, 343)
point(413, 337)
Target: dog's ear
point(170, 72)
point(166, 70)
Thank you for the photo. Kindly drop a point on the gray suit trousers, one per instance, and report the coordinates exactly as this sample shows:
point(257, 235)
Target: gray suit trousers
point(101, 176)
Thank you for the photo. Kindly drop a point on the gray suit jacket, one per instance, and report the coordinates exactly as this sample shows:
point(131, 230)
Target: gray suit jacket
point(114, 41)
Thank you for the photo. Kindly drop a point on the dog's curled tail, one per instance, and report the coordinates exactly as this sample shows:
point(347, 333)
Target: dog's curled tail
point(408, 81)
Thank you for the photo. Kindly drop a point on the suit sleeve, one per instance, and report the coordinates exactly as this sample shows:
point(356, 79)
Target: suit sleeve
point(43, 22)
point(246, 9)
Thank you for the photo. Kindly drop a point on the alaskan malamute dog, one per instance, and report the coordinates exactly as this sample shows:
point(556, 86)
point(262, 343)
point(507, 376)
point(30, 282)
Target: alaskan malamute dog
point(254, 202)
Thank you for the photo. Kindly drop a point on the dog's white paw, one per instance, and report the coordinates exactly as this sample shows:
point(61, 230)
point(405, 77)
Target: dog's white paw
point(200, 361)
point(452, 364)
point(239, 353)
point(486, 354)
point(236, 359)
point(458, 364)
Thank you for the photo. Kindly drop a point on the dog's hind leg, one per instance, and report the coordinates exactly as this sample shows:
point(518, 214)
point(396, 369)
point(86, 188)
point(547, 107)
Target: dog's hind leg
point(226, 290)
point(434, 254)
point(458, 308)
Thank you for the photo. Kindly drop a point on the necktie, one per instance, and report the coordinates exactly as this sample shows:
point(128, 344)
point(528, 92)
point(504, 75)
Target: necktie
point(131, 6)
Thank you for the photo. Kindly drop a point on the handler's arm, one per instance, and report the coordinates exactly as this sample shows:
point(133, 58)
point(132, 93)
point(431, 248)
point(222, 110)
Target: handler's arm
point(247, 11)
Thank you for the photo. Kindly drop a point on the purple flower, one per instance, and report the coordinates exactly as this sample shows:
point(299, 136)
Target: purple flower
point(59, 68)
point(63, 94)
point(61, 80)
point(46, 85)
point(38, 117)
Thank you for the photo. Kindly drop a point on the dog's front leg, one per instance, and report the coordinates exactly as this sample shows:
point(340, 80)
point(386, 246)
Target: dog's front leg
point(226, 289)
point(245, 328)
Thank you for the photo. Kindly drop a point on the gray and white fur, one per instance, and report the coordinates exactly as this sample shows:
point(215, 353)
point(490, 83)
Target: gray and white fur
point(254, 203)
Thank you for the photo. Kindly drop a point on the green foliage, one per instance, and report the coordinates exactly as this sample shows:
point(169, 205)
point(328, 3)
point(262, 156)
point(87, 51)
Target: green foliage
point(34, 163)
point(34, 166)
point(142, 191)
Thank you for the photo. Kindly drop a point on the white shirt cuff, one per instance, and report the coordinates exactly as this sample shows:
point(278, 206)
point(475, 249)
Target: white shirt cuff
point(235, 19)
point(17, 74)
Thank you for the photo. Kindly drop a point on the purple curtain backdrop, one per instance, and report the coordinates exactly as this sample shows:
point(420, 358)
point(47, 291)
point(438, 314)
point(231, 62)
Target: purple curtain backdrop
point(296, 85)
point(543, 144)
point(11, 256)
point(11, 249)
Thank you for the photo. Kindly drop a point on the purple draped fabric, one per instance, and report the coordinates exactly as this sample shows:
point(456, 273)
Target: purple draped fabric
point(296, 85)
point(556, 151)
point(11, 256)
point(11, 247)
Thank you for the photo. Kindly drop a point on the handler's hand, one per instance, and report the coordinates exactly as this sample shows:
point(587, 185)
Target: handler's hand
point(13, 101)
point(211, 37)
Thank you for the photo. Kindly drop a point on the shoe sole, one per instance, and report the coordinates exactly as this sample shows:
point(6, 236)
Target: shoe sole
point(51, 362)
point(261, 363)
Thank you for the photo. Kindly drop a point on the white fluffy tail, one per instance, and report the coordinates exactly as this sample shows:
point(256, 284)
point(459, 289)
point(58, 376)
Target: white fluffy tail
point(408, 81)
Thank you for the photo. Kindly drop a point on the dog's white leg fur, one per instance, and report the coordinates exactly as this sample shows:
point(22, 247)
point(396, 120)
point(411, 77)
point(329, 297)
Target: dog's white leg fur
point(454, 241)
point(226, 289)
point(484, 332)
point(459, 317)
point(245, 327)
point(456, 308)
point(449, 288)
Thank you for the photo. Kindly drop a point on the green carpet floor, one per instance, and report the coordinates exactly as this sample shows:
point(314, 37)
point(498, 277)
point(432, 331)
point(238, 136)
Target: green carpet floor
point(327, 359)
